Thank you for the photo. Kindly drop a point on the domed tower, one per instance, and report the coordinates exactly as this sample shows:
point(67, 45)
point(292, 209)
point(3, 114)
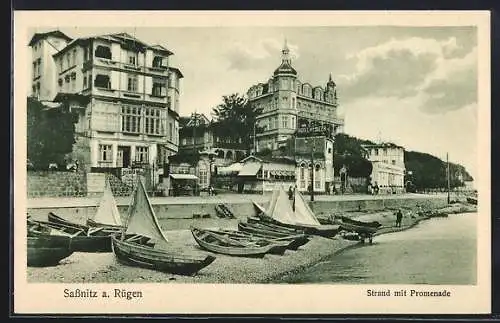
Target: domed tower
point(285, 96)
point(331, 91)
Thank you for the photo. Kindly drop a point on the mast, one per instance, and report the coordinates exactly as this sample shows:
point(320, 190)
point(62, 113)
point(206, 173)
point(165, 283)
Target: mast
point(448, 176)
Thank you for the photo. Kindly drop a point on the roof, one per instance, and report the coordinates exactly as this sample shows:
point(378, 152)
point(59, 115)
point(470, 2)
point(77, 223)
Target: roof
point(382, 145)
point(285, 68)
point(249, 169)
point(178, 71)
point(124, 39)
point(62, 97)
point(55, 33)
point(183, 176)
point(71, 44)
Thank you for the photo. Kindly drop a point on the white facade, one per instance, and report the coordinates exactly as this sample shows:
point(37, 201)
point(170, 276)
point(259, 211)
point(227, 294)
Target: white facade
point(43, 74)
point(388, 166)
point(323, 164)
point(121, 86)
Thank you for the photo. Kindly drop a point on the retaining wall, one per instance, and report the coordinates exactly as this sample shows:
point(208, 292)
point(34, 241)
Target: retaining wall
point(180, 216)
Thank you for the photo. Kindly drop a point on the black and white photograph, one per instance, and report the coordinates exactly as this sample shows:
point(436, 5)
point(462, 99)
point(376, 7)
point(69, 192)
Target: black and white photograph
point(297, 155)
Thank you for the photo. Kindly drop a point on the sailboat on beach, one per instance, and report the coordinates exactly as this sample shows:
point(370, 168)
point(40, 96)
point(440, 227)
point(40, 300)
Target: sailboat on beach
point(295, 215)
point(107, 215)
point(141, 241)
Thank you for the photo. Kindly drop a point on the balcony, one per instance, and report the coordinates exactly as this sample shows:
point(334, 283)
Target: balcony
point(103, 62)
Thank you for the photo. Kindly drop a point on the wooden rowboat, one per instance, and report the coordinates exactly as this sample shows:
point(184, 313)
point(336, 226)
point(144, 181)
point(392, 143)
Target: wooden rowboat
point(140, 251)
point(219, 244)
point(81, 240)
point(55, 219)
point(367, 228)
point(47, 250)
point(141, 242)
point(280, 245)
point(295, 241)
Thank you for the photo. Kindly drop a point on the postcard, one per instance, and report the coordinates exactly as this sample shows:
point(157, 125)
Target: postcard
point(260, 162)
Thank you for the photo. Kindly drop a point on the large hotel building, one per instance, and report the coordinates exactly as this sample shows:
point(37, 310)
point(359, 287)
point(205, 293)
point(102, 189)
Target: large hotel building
point(125, 93)
point(288, 103)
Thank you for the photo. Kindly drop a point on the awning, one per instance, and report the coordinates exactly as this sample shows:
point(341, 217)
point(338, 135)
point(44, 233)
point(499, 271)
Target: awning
point(231, 169)
point(249, 169)
point(183, 176)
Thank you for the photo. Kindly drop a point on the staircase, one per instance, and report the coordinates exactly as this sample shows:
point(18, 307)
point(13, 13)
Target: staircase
point(118, 187)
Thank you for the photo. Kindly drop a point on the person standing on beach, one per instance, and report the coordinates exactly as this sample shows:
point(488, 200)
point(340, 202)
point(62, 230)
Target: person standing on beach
point(399, 217)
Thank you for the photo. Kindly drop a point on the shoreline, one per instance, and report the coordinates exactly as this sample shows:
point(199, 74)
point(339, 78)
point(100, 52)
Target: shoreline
point(103, 267)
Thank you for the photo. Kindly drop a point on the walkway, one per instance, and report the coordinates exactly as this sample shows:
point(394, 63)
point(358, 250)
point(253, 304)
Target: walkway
point(50, 202)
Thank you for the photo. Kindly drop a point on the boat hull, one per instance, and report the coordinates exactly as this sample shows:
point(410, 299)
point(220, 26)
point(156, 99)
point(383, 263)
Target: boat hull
point(47, 250)
point(253, 251)
point(106, 227)
point(322, 230)
point(138, 255)
point(81, 241)
point(53, 218)
point(294, 241)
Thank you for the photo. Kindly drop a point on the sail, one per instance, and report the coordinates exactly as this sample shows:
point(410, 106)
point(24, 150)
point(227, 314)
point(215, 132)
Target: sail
point(280, 207)
point(303, 213)
point(142, 219)
point(107, 212)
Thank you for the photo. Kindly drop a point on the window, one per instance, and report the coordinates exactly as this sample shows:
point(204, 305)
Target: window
point(74, 56)
point(131, 117)
point(394, 162)
point(159, 88)
point(38, 67)
point(34, 69)
point(152, 121)
point(85, 53)
point(293, 103)
point(60, 82)
point(105, 153)
point(132, 83)
point(141, 154)
point(132, 59)
point(157, 61)
point(85, 82)
point(385, 151)
point(67, 78)
point(102, 81)
point(61, 67)
point(68, 60)
point(329, 150)
point(103, 52)
point(284, 121)
point(34, 89)
point(170, 130)
point(169, 102)
point(376, 152)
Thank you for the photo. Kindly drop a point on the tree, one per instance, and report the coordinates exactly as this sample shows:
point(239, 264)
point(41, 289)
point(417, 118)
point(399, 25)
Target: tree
point(50, 134)
point(235, 118)
point(349, 151)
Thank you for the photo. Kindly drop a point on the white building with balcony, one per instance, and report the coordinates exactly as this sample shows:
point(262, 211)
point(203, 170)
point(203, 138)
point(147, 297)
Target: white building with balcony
point(388, 166)
point(126, 94)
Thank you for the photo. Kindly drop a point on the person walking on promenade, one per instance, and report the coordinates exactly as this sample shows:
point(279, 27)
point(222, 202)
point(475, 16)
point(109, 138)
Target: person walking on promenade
point(290, 193)
point(399, 218)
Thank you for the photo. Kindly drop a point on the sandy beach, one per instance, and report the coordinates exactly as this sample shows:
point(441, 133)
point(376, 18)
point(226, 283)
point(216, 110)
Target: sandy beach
point(103, 267)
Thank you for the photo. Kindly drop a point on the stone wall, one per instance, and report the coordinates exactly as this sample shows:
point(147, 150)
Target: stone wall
point(56, 184)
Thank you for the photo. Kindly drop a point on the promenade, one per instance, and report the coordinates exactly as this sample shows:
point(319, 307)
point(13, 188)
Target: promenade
point(231, 198)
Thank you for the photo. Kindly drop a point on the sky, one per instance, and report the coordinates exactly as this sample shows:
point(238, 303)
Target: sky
point(414, 86)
